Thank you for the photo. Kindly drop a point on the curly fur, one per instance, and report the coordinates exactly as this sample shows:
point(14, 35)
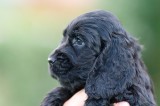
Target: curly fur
point(105, 60)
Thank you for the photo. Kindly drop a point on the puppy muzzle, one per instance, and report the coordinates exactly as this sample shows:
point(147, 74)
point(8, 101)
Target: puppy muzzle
point(59, 64)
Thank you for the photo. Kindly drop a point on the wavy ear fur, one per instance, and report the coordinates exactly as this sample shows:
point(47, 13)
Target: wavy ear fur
point(114, 69)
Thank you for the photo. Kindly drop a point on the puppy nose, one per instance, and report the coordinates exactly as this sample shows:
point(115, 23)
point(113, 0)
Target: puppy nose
point(51, 60)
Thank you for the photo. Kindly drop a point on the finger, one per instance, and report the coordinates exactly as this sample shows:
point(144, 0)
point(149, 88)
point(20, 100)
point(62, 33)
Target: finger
point(121, 104)
point(77, 100)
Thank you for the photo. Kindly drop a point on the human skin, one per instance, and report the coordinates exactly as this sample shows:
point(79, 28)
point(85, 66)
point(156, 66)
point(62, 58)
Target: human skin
point(79, 100)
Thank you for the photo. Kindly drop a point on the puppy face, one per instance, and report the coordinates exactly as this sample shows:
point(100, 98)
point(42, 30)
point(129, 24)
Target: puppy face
point(77, 52)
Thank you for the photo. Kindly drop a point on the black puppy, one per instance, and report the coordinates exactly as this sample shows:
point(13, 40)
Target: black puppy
point(97, 54)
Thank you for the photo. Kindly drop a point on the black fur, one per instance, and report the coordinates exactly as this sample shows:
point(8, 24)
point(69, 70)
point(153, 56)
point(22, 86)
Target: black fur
point(97, 54)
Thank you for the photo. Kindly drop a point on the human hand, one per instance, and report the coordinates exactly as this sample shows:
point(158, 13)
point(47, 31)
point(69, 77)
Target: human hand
point(80, 97)
point(121, 104)
point(77, 99)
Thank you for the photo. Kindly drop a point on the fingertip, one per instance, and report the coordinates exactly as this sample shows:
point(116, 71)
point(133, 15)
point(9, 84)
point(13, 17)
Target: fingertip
point(121, 104)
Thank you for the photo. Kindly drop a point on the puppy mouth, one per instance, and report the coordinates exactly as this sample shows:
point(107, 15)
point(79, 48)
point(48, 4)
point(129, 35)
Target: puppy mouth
point(61, 65)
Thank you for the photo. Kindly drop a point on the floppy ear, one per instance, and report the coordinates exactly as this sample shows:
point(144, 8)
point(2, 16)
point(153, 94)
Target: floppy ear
point(114, 68)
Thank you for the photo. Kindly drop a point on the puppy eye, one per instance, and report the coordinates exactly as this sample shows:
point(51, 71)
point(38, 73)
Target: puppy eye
point(77, 41)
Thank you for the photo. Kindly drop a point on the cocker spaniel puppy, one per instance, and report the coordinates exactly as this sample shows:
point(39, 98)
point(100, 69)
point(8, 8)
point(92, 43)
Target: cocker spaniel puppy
point(97, 54)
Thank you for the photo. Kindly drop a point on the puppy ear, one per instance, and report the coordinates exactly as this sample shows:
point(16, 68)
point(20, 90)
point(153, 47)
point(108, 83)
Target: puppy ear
point(114, 69)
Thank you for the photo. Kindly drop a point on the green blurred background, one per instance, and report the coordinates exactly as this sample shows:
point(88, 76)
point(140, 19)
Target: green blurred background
point(31, 29)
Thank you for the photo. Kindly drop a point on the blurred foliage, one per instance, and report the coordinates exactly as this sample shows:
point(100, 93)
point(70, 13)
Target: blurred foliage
point(28, 35)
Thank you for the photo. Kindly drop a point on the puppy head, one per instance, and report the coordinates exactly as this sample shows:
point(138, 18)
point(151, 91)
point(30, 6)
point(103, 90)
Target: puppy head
point(85, 42)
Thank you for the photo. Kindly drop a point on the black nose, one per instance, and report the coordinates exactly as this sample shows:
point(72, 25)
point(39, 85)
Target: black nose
point(56, 57)
point(51, 60)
